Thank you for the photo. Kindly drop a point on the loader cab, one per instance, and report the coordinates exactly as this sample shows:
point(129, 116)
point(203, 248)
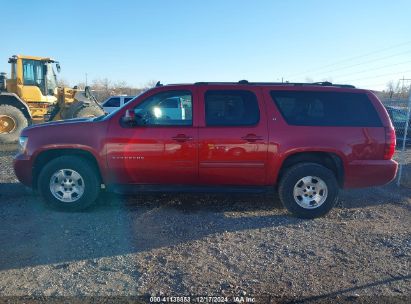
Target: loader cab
point(40, 73)
point(33, 78)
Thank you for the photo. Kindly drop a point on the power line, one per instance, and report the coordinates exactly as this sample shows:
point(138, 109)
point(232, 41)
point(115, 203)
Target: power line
point(378, 76)
point(366, 62)
point(376, 85)
point(374, 69)
point(353, 58)
point(403, 79)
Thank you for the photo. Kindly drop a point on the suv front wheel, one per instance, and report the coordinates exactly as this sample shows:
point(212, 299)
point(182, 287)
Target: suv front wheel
point(308, 190)
point(69, 183)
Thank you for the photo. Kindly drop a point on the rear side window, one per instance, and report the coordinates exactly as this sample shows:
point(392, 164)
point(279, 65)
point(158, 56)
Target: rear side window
point(326, 109)
point(112, 102)
point(231, 108)
point(127, 99)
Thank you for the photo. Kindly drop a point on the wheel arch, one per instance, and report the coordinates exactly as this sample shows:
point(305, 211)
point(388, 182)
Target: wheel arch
point(15, 101)
point(330, 160)
point(47, 155)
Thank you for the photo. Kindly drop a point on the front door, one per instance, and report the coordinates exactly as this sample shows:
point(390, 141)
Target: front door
point(161, 148)
point(233, 136)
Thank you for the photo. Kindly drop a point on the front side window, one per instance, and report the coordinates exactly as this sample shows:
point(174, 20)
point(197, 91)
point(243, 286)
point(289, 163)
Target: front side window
point(171, 108)
point(231, 108)
point(310, 108)
point(33, 72)
point(51, 79)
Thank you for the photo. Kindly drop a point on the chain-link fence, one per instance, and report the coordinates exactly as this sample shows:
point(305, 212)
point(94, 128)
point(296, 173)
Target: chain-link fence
point(399, 111)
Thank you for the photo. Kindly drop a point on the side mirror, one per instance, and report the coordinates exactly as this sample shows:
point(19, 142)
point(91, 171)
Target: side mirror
point(140, 120)
point(129, 117)
point(143, 118)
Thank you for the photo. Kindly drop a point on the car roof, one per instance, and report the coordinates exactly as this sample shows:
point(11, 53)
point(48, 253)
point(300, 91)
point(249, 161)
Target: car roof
point(283, 84)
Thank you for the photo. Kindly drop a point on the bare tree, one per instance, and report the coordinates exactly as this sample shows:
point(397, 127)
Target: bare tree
point(390, 89)
point(61, 82)
point(150, 84)
point(395, 90)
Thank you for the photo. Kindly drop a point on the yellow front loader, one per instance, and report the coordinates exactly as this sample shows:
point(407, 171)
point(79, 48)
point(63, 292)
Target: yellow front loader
point(32, 95)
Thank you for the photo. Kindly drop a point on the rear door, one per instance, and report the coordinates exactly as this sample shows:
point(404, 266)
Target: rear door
point(233, 136)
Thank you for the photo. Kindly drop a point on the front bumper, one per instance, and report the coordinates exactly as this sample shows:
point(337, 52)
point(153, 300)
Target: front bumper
point(23, 168)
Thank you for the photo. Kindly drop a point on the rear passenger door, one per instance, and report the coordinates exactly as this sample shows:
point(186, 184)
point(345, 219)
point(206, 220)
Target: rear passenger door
point(232, 136)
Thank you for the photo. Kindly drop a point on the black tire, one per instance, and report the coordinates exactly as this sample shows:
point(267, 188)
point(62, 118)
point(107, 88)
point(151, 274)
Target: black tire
point(299, 171)
point(89, 111)
point(88, 174)
point(20, 122)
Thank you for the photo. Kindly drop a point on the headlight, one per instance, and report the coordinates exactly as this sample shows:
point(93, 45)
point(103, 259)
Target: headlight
point(22, 143)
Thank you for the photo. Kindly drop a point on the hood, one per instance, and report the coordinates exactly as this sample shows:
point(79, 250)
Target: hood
point(79, 131)
point(61, 122)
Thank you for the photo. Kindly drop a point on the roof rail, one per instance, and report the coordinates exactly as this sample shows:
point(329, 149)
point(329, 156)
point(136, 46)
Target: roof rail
point(324, 83)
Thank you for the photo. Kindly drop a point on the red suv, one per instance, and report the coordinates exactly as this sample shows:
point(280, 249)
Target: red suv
point(305, 140)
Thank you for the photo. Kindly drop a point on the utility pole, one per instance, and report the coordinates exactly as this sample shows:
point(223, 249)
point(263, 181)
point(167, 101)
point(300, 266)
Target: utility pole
point(403, 79)
point(407, 124)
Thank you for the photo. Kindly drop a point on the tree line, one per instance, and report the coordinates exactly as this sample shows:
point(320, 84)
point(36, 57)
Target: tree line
point(103, 88)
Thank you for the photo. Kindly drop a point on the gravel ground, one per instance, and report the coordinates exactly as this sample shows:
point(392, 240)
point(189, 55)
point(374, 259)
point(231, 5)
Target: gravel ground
point(243, 245)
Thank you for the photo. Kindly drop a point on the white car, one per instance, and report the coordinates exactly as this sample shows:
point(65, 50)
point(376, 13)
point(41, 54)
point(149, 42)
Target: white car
point(115, 102)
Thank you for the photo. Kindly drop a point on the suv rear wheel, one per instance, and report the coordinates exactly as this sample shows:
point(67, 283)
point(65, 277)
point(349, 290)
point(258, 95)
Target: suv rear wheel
point(308, 190)
point(69, 183)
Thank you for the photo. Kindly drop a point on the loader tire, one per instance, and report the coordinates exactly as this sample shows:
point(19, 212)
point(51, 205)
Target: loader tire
point(90, 111)
point(12, 122)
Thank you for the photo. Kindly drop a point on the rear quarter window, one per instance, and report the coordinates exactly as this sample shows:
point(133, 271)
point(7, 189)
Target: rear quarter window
point(308, 108)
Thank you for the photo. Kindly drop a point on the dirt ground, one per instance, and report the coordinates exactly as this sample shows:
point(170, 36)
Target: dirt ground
point(234, 245)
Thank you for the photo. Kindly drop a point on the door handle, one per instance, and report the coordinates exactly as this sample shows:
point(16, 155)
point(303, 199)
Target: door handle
point(252, 138)
point(181, 138)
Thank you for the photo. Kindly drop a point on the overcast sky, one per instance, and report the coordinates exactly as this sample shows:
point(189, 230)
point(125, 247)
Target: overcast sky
point(365, 43)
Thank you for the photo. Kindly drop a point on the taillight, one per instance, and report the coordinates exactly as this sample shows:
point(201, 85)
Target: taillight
point(390, 142)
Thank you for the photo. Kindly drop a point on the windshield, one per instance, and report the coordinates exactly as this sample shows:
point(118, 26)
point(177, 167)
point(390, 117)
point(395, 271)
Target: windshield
point(51, 78)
